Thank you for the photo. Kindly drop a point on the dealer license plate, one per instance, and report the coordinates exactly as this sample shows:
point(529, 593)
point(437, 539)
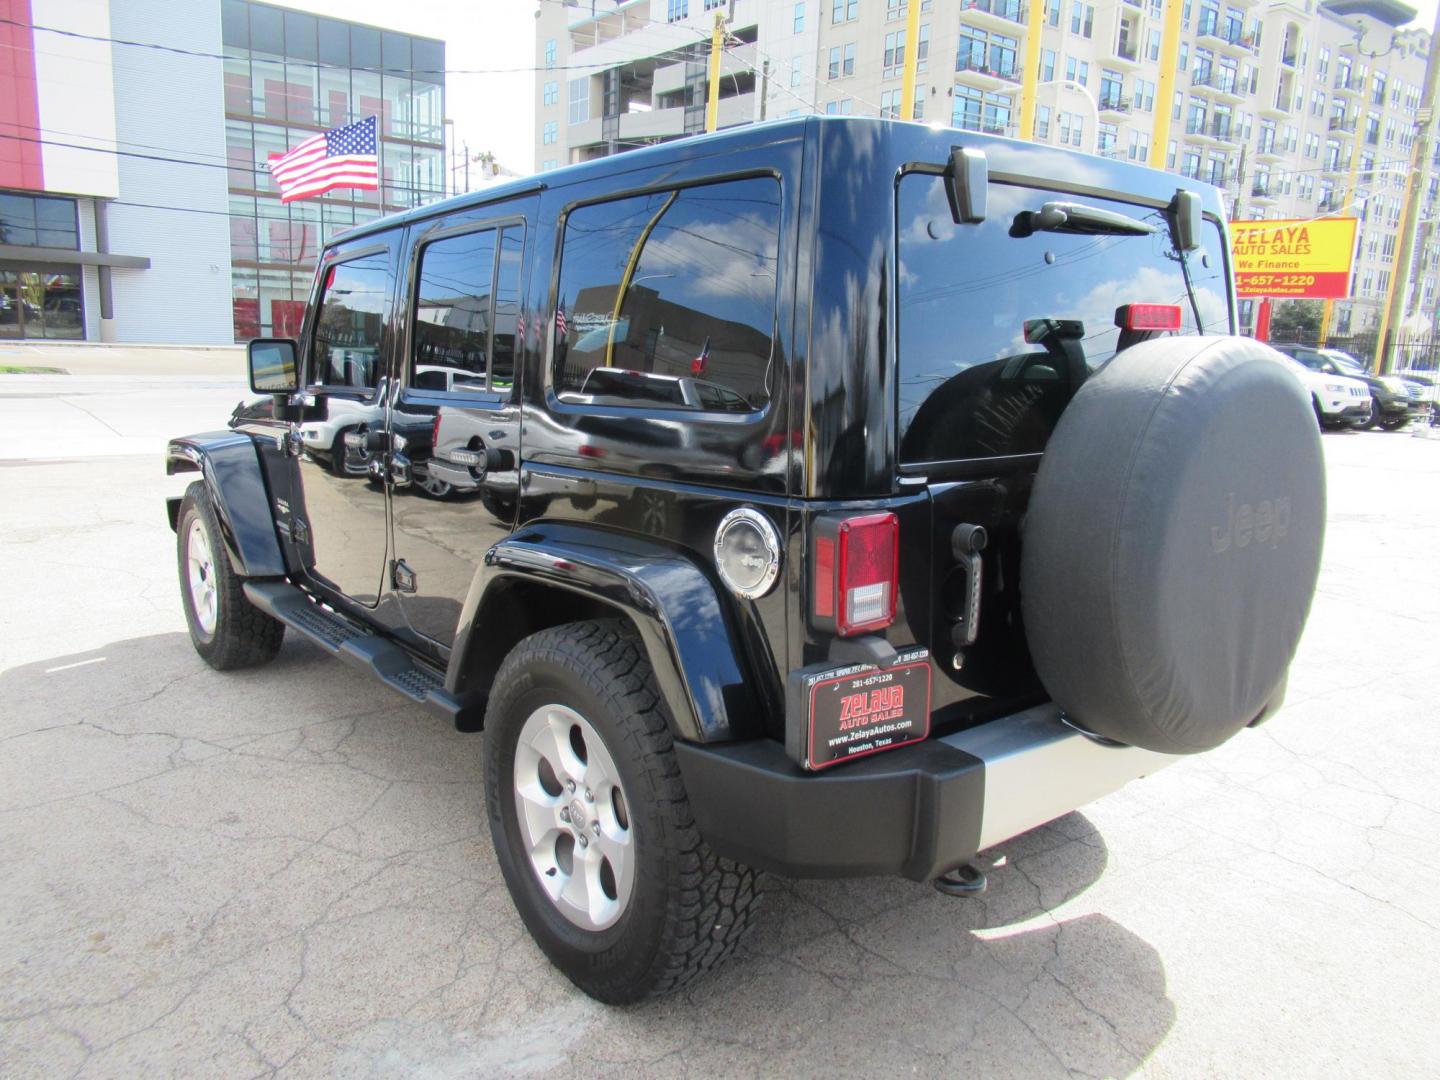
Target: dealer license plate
point(865, 712)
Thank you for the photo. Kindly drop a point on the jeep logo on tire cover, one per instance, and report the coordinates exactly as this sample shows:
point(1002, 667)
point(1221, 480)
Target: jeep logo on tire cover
point(1265, 522)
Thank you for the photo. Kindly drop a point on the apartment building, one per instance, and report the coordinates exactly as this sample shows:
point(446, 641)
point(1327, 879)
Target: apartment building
point(1277, 103)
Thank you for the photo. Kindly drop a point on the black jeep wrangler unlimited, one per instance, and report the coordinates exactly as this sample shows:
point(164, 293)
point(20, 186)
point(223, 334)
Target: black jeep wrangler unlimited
point(828, 497)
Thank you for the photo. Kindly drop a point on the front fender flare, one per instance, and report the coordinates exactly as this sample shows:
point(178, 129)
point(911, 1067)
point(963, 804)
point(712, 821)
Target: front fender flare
point(230, 466)
point(673, 605)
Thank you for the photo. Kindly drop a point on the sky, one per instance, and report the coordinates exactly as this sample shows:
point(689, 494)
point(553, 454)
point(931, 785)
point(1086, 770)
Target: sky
point(494, 112)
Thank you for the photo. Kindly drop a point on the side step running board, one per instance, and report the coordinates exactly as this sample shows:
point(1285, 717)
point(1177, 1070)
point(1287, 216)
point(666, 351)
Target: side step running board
point(337, 635)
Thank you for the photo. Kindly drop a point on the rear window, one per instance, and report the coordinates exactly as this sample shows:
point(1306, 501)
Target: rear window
point(970, 385)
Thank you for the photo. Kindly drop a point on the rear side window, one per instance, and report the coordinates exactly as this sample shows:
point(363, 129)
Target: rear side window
point(970, 385)
point(667, 300)
point(465, 310)
point(350, 324)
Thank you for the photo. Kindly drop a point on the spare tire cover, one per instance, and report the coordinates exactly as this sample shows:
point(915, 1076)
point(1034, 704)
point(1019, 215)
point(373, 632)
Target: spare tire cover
point(1172, 542)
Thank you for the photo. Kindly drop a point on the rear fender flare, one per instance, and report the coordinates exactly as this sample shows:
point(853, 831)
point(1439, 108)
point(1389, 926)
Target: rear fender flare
point(229, 464)
point(673, 605)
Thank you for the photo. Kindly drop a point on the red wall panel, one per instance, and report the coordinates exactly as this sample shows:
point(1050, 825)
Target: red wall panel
point(20, 163)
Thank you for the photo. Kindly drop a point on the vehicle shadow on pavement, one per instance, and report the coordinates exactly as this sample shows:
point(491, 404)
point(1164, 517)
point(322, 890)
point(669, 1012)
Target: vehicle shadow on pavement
point(293, 860)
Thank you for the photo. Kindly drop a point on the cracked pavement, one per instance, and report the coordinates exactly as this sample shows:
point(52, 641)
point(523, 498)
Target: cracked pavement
point(285, 872)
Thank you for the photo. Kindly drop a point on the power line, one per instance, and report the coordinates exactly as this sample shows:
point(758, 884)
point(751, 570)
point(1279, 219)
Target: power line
point(317, 64)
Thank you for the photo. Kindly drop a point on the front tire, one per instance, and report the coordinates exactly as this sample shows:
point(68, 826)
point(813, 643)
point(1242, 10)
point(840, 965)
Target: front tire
point(591, 824)
point(226, 629)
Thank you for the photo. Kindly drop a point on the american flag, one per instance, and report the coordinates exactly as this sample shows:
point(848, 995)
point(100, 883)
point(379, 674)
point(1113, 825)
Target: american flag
point(345, 157)
point(560, 321)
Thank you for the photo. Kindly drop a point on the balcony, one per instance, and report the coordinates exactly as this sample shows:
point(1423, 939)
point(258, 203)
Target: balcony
point(1114, 103)
point(984, 74)
point(1270, 149)
point(1218, 81)
point(1329, 203)
point(997, 14)
point(1261, 190)
point(1352, 85)
point(1126, 53)
point(1281, 104)
point(1342, 123)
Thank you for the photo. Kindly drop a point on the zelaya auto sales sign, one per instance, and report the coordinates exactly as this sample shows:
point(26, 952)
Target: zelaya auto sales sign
point(1309, 259)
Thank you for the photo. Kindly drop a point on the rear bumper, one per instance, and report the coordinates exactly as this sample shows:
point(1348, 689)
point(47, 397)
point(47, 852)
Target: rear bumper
point(918, 811)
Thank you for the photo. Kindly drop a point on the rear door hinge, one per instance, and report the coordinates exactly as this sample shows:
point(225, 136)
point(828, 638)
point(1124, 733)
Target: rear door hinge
point(402, 577)
point(299, 531)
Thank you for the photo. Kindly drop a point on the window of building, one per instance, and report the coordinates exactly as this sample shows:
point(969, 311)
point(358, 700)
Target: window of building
point(1152, 45)
point(548, 164)
point(1144, 95)
point(1042, 122)
point(917, 111)
point(1139, 146)
point(1052, 12)
point(550, 133)
point(1047, 65)
point(38, 221)
point(349, 333)
point(889, 104)
point(1112, 89)
point(798, 19)
point(1082, 18)
point(579, 100)
point(975, 110)
point(796, 75)
point(922, 49)
point(844, 10)
point(465, 310)
point(1322, 63)
point(1107, 135)
point(688, 320)
point(550, 52)
point(894, 58)
point(552, 93)
point(675, 10)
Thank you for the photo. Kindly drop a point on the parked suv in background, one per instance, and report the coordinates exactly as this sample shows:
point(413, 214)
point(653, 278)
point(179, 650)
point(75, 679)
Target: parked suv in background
point(1337, 400)
point(1392, 404)
point(927, 516)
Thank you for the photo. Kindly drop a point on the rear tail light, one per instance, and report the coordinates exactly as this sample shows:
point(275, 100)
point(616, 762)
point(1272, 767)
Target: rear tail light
point(855, 571)
point(1148, 317)
point(435, 431)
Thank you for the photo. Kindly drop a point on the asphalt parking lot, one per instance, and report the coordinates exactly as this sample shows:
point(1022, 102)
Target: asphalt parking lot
point(286, 871)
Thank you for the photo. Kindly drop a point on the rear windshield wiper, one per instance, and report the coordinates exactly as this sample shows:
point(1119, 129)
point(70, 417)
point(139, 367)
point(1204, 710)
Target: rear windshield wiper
point(1068, 217)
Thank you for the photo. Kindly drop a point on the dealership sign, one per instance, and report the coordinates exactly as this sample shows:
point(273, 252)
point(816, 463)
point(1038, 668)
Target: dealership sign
point(1309, 259)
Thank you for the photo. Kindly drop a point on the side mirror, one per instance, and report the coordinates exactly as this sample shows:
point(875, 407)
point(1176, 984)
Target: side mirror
point(967, 182)
point(1186, 220)
point(273, 366)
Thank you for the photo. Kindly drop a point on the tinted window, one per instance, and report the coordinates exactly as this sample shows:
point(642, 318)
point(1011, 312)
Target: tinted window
point(349, 329)
point(663, 294)
point(466, 307)
point(453, 309)
point(507, 308)
point(970, 383)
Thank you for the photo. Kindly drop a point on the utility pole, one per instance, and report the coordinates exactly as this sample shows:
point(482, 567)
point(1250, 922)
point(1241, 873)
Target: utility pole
point(1165, 92)
point(1240, 182)
point(1034, 28)
point(717, 49)
point(1414, 188)
point(764, 87)
point(1351, 183)
point(912, 61)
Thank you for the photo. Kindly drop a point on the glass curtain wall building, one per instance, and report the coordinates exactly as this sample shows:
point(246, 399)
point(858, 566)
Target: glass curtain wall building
point(289, 75)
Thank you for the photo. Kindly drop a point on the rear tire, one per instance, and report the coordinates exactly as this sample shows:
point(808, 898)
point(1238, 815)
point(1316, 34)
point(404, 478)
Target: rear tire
point(678, 909)
point(1395, 423)
point(226, 629)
